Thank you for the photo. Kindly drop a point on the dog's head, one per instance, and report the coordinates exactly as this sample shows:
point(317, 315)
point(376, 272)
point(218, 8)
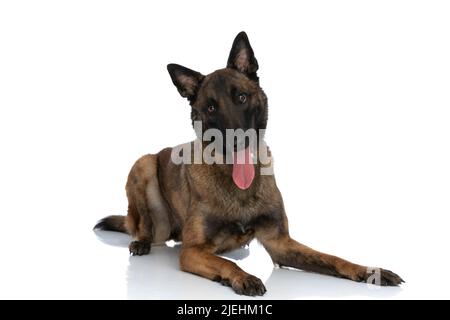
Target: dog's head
point(228, 98)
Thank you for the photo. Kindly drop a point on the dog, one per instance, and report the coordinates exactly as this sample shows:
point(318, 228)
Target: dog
point(218, 207)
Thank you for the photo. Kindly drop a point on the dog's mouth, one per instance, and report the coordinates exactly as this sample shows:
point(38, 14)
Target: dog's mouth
point(243, 168)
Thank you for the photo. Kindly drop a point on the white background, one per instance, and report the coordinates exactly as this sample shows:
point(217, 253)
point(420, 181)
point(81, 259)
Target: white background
point(359, 120)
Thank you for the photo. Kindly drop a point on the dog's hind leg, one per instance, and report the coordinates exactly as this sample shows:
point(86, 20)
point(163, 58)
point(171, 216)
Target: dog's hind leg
point(139, 222)
point(147, 220)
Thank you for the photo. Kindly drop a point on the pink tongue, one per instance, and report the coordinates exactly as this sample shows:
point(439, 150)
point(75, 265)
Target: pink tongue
point(243, 169)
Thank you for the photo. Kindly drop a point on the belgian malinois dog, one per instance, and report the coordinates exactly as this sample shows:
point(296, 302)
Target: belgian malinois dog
point(218, 207)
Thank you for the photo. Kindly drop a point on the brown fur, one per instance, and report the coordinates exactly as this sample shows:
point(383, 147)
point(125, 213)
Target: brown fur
point(200, 204)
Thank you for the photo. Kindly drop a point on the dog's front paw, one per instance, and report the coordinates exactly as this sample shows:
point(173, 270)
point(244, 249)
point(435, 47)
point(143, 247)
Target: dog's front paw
point(381, 277)
point(139, 248)
point(248, 285)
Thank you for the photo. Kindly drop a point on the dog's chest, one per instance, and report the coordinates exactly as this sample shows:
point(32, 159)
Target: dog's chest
point(223, 226)
point(227, 235)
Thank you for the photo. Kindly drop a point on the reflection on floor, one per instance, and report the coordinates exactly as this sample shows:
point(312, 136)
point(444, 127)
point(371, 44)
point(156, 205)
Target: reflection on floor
point(157, 276)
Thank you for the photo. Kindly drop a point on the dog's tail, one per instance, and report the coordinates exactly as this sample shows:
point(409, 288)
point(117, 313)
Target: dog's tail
point(112, 223)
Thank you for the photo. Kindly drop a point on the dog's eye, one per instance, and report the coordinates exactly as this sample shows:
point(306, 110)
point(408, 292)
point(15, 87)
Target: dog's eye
point(211, 109)
point(242, 98)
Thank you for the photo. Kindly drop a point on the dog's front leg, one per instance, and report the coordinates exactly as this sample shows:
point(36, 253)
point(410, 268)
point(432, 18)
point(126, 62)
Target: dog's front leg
point(287, 252)
point(199, 260)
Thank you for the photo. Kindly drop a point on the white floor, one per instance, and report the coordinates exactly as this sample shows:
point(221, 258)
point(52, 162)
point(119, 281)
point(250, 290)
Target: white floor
point(101, 268)
point(157, 276)
point(64, 259)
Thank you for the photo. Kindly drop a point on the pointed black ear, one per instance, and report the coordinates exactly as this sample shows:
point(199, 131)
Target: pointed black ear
point(186, 80)
point(241, 56)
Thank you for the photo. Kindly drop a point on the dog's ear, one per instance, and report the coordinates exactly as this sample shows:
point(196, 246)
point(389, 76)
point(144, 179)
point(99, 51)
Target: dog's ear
point(242, 58)
point(186, 80)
